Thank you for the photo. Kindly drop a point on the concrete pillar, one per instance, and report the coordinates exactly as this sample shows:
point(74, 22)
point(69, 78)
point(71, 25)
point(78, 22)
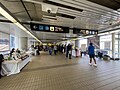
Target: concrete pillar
point(77, 43)
point(23, 43)
point(118, 45)
point(113, 45)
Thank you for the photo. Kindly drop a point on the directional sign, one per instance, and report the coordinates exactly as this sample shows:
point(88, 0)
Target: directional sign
point(49, 28)
point(84, 32)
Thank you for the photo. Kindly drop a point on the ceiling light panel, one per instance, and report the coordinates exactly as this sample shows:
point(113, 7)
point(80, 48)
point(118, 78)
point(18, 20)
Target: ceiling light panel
point(8, 15)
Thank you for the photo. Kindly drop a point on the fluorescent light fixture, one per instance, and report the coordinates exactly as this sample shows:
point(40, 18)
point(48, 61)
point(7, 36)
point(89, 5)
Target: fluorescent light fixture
point(64, 38)
point(16, 22)
point(23, 28)
point(74, 39)
point(20, 26)
point(8, 16)
point(88, 36)
point(100, 34)
point(115, 31)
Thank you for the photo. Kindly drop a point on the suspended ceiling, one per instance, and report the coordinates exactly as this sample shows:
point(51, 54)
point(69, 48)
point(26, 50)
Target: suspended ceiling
point(84, 14)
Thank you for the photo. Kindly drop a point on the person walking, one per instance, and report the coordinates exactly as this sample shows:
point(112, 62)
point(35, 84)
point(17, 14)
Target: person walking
point(50, 50)
point(70, 53)
point(55, 49)
point(38, 50)
point(92, 54)
point(64, 48)
point(67, 50)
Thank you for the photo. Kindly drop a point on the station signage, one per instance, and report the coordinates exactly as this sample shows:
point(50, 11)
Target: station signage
point(49, 28)
point(85, 32)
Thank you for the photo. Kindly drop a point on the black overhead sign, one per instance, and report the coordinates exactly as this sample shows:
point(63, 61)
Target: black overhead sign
point(85, 32)
point(49, 28)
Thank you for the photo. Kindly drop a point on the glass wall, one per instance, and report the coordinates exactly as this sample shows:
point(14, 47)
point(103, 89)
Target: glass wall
point(117, 45)
point(106, 43)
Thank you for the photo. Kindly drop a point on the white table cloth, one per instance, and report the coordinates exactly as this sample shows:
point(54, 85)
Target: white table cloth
point(13, 66)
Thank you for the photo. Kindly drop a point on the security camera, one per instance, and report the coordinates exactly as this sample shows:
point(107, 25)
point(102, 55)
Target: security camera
point(48, 10)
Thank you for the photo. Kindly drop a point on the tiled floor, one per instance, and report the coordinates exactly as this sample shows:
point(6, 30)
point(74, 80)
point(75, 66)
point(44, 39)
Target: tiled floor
point(59, 73)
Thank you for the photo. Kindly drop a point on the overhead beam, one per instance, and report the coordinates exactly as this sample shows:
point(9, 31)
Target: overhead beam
point(26, 9)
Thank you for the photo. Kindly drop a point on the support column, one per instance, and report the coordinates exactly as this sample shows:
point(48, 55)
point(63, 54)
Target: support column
point(118, 45)
point(24, 43)
point(113, 45)
point(77, 43)
point(34, 43)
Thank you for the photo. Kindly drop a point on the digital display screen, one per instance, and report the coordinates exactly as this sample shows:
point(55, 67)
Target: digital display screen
point(49, 28)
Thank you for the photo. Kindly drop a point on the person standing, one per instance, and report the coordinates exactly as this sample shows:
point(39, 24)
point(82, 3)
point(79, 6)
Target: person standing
point(50, 50)
point(38, 50)
point(92, 54)
point(1, 60)
point(69, 51)
point(55, 49)
point(76, 51)
point(64, 48)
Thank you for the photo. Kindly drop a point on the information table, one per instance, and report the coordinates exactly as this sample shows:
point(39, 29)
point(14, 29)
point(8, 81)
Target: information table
point(14, 66)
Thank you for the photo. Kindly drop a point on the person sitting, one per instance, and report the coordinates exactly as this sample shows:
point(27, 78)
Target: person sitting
point(18, 51)
point(11, 52)
point(100, 55)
